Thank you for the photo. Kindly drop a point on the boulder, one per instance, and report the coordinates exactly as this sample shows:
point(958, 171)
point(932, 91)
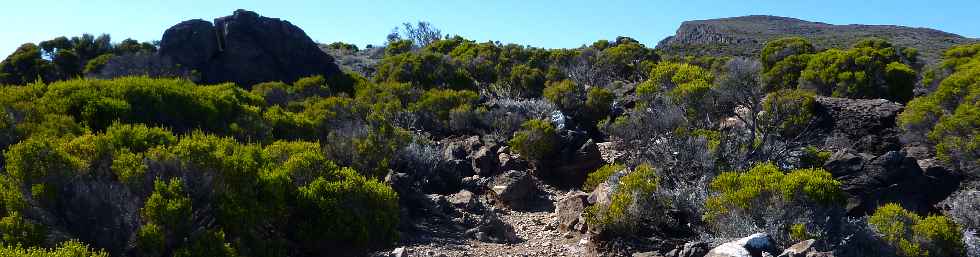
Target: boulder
point(511, 162)
point(755, 245)
point(866, 125)
point(484, 161)
point(247, 49)
point(574, 164)
point(892, 177)
point(464, 200)
point(513, 189)
point(569, 211)
point(492, 230)
point(689, 249)
point(800, 249)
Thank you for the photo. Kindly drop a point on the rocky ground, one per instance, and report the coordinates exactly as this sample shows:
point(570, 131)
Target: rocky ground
point(536, 230)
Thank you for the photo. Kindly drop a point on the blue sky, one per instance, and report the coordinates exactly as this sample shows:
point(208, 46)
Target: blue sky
point(552, 24)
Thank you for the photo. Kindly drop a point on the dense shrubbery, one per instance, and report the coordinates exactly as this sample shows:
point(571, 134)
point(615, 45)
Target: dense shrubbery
point(913, 235)
point(630, 204)
point(70, 248)
point(949, 117)
point(872, 68)
point(764, 197)
point(536, 141)
point(63, 58)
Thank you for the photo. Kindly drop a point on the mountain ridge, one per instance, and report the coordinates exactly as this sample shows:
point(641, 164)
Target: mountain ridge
point(746, 35)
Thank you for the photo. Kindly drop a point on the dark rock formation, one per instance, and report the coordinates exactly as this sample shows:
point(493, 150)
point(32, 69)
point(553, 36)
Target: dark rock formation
point(893, 177)
point(569, 210)
point(245, 48)
point(865, 125)
point(745, 36)
point(513, 189)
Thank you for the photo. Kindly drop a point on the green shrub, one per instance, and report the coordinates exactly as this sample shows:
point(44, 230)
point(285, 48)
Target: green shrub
point(565, 94)
point(814, 157)
point(95, 65)
point(438, 104)
point(753, 191)
point(346, 209)
point(168, 206)
point(15, 230)
point(791, 112)
point(398, 47)
point(537, 140)
point(628, 203)
point(947, 117)
point(911, 235)
point(526, 81)
point(70, 248)
point(40, 161)
point(778, 50)
point(600, 175)
point(873, 68)
point(422, 70)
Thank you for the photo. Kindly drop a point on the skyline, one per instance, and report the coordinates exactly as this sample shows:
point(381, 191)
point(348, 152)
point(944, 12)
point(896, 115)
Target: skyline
point(542, 24)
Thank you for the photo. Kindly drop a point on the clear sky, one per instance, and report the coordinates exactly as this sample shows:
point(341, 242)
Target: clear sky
point(551, 24)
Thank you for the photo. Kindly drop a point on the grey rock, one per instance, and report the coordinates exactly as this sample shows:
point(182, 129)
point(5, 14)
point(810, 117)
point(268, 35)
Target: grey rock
point(866, 125)
point(493, 230)
point(247, 49)
point(484, 161)
point(513, 189)
point(801, 249)
point(750, 246)
point(569, 211)
point(891, 177)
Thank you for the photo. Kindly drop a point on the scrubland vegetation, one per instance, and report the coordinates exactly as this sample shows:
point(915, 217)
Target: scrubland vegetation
point(714, 147)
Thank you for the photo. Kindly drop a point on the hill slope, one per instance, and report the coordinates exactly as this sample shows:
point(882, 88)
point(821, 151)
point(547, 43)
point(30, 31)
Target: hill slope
point(746, 35)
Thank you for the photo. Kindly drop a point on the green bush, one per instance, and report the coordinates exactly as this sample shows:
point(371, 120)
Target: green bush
point(70, 248)
point(565, 94)
point(912, 235)
point(790, 112)
point(15, 230)
point(873, 68)
point(948, 116)
point(346, 209)
point(437, 105)
point(526, 81)
point(764, 183)
point(398, 47)
point(778, 50)
point(537, 140)
point(814, 157)
point(628, 203)
point(422, 70)
point(600, 175)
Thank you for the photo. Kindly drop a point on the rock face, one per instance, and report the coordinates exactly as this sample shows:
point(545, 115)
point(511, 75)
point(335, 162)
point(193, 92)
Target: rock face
point(513, 189)
point(745, 36)
point(892, 177)
point(247, 49)
point(569, 210)
point(865, 125)
point(751, 246)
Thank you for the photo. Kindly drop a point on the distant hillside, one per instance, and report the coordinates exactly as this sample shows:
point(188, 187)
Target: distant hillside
point(746, 36)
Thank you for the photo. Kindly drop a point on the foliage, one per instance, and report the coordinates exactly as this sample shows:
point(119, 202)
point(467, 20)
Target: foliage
point(632, 198)
point(872, 68)
point(600, 175)
point(423, 70)
point(15, 230)
point(791, 111)
point(948, 116)
point(69, 248)
point(778, 50)
point(537, 140)
point(767, 197)
point(913, 235)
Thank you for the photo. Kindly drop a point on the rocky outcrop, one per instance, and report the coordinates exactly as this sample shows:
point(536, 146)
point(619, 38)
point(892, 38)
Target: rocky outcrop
point(569, 210)
point(578, 156)
point(865, 125)
point(892, 177)
point(751, 246)
point(513, 189)
point(245, 48)
point(745, 36)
